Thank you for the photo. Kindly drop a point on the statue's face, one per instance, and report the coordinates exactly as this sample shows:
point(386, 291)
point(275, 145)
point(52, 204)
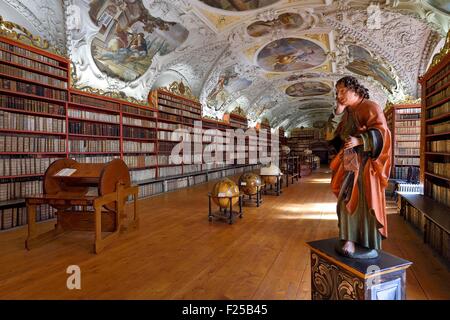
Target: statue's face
point(346, 96)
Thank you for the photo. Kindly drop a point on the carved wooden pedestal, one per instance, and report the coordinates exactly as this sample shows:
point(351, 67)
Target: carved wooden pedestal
point(334, 277)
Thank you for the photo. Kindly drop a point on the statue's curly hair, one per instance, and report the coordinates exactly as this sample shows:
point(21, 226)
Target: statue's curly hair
point(353, 84)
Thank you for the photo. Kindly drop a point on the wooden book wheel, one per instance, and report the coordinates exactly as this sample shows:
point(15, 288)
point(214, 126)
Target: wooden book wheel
point(100, 190)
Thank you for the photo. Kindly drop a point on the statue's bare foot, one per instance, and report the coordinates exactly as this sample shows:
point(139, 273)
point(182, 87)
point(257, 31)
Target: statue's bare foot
point(348, 248)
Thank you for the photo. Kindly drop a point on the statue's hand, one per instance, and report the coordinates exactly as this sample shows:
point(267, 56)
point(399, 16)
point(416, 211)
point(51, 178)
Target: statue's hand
point(352, 142)
point(339, 107)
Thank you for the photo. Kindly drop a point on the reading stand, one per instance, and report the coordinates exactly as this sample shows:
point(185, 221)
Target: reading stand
point(87, 197)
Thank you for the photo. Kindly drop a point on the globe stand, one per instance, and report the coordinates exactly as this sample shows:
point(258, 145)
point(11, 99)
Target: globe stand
point(225, 213)
point(258, 200)
point(278, 185)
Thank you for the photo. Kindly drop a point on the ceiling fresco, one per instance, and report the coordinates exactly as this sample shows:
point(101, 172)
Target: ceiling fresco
point(307, 89)
point(275, 59)
point(238, 5)
point(364, 64)
point(442, 5)
point(229, 82)
point(286, 21)
point(290, 54)
point(129, 37)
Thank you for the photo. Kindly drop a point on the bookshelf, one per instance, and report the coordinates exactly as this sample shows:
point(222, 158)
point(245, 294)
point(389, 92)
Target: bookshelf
point(33, 128)
point(436, 130)
point(237, 119)
point(403, 120)
point(267, 142)
point(301, 139)
point(430, 212)
point(102, 129)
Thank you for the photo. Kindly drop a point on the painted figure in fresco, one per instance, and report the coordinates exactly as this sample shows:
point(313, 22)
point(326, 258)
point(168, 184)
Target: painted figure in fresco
point(129, 37)
point(360, 171)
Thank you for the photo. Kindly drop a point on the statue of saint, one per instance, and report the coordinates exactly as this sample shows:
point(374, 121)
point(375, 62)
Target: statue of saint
point(360, 171)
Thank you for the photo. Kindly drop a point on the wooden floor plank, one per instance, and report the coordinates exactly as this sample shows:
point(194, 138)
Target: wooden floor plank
point(178, 254)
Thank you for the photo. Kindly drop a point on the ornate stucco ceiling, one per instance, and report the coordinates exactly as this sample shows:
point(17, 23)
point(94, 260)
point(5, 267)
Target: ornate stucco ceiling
point(274, 58)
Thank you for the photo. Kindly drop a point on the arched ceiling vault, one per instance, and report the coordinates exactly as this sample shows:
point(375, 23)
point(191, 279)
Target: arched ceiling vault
point(278, 59)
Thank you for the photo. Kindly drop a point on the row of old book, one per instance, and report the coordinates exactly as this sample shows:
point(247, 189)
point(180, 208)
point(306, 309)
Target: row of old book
point(439, 96)
point(19, 103)
point(440, 110)
point(141, 133)
point(438, 75)
point(185, 106)
point(24, 166)
point(32, 76)
point(12, 190)
point(439, 146)
point(407, 151)
point(439, 193)
point(32, 89)
point(138, 122)
point(410, 123)
point(440, 168)
point(407, 130)
point(179, 112)
point(25, 122)
point(29, 54)
point(140, 175)
point(98, 145)
point(442, 127)
point(182, 102)
point(407, 161)
point(32, 64)
point(96, 116)
point(140, 161)
point(404, 111)
point(438, 84)
point(17, 216)
point(16, 143)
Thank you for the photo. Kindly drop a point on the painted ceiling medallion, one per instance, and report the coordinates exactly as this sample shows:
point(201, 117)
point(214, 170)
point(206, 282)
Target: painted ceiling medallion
point(290, 54)
point(307, 89)
point(285, 21)
point(129, 37)
point(238, 5)
point(296, 77)
point(364, 64)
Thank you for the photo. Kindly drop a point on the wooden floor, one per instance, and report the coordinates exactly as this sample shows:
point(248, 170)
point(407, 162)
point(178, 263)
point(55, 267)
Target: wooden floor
point(178, 254)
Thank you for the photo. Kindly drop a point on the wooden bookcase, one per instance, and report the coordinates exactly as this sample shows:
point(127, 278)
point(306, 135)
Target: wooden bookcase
point(430, 212)
point(238, 120)
point(403, 120)
point(301, 139)
point(264, 143)
point(282, 137)
point(103, 128)
point(436, 130)
point(33, 127)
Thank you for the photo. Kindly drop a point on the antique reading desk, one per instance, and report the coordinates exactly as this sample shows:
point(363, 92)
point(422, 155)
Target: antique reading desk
point(87, 197)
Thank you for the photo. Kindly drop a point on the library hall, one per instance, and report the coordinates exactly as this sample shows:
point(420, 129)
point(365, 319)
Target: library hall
point(253, 152)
